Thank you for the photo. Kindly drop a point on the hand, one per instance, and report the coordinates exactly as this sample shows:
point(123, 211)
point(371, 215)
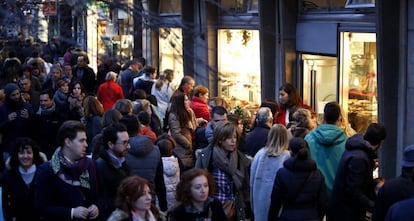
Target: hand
point(93, 211)
point(201, 121)
point(12, 116)
point(80, 212)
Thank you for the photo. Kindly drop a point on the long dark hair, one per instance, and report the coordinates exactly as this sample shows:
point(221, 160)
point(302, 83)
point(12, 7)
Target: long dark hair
point(293, 94)
point(178, 108)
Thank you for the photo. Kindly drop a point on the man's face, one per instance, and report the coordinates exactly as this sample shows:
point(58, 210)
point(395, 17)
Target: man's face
point(76, 148)
point(15, 96)
point(68, 71)
point(217, 118)
point(188, 87)
point(56, 74)
point(136, 66)
point(121, 146)
point(25, 84)
point(81, 62)
point(45, 101)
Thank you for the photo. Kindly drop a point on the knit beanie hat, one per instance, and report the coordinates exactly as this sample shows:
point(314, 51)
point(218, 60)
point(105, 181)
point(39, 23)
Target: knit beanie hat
point(10, 87)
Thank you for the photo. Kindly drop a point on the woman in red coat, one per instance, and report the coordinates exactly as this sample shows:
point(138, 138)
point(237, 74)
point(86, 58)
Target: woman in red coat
point(109, 92)
point(289, 101)
point(199, 103)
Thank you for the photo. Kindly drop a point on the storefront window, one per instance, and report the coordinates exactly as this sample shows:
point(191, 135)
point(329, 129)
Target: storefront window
point(171, 52)
point(359, 78)
point(319, 81)
point(170, 6)
point(114, 30)
point(239, 66)
point(239, 6)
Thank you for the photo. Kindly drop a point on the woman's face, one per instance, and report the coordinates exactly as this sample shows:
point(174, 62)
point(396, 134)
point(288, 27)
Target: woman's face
point(187, 102)
point(64, 88)
point(188, 87)
point(283, 97)
point(77, 90)
point(204, 97)
point(199, 189)
point(240, 126)
point(230, 144)
point(25, 157)
point(143, 203)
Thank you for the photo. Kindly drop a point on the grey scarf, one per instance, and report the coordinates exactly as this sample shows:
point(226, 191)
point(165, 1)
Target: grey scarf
point(229, 164)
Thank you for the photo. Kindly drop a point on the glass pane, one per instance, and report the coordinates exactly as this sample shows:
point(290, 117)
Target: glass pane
point(359, 78)
point(360, 3)
point(322, 4)
point(171, 52)
point(239, 66)
point(170, 6)
point(234, 5)
point(254, 5)
point(319, 81)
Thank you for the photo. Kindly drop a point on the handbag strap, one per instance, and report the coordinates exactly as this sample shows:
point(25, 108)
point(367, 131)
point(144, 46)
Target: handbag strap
point(301, 187)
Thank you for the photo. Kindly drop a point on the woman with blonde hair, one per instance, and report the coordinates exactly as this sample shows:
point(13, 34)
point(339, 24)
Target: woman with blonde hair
point(230, 168)
point(163, 89)
point(302, 122)
point(267, 161)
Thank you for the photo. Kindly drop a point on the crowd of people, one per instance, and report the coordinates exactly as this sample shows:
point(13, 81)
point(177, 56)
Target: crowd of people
point(126, 144)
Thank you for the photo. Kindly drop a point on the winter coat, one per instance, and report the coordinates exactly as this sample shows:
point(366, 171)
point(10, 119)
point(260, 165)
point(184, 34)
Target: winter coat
point(281, 113)
point(183, 137)
point(20, 127)
point(93, 126)
point(144, 160)
point(126, 81)
point(144, 83)
point(17, 197)
point(54, 198)
point(88, 78)
point(257, 139)
point(326, 145)
point(171, 178)
point(109, 178)
point(200, 108)
point(401, 211)
point(392, 191)
point(262, 176)
point(242, 195)
point(108, 93)
point(213, 210)
point(163, 96)
point(46, 125)
point(354, 188)
point(300, 188)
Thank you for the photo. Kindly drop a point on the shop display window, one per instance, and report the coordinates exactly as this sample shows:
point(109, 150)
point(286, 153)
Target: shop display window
point(359, 78)
point(171, 52)
point(239, 67)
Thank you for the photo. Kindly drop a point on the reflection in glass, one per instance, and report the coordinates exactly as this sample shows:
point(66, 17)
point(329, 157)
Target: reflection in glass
point(239, 66)
point(171, 52)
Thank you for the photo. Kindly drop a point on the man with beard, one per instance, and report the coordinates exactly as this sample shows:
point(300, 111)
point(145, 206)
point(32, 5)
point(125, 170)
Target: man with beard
point(354, 188)
point(15, 119)
point(66, 186)
point(111, 166)
point(47, 121)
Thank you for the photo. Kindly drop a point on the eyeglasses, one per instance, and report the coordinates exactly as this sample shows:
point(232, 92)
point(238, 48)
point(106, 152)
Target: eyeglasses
point(125, 142)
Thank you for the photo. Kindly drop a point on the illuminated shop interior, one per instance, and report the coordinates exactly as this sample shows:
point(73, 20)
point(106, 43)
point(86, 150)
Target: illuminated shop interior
point(171, 52)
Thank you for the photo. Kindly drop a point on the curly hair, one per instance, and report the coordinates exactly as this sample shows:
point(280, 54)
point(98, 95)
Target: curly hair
point(183, 193)
point(23, 143)
point(92, 106)
point(129, 190)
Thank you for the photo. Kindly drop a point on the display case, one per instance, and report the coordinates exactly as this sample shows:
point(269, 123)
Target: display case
point(359, 79)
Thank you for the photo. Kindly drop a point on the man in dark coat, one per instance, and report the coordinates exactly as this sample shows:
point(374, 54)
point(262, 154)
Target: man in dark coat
point(128, 75)
point(111, 166)
point(396, 189)
point(85, 75)
point(354, 188)
point(401, 211)
point(66, 186)
point(46, 123)
point(144, 160)
point(257, 138)
point(15, 118)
